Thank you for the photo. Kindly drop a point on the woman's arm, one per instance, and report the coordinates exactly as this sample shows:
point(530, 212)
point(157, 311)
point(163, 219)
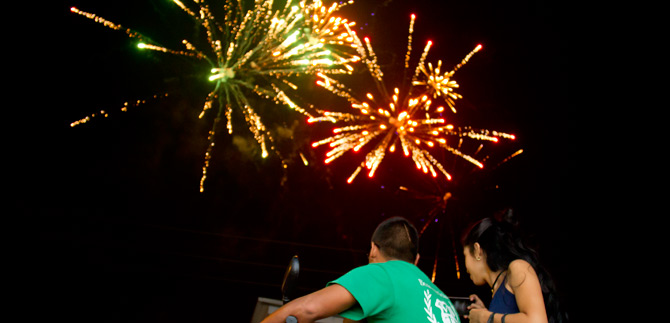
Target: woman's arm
point(525, 285)
point(309, 308)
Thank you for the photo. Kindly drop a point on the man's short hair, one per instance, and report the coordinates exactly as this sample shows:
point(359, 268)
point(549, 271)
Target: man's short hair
point(397, 238)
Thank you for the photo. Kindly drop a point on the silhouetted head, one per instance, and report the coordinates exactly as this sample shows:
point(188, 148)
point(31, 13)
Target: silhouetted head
point(397, 238)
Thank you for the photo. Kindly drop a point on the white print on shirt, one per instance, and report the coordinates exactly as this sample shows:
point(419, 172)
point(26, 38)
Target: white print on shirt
point(447, 315)
point(429, 309)
point(439, 292)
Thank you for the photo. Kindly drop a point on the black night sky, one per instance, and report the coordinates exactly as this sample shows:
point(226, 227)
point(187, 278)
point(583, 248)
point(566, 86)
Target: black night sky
point(130, 238)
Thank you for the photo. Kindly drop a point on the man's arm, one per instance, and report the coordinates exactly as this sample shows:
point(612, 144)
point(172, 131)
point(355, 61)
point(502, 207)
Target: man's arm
point(309, 308)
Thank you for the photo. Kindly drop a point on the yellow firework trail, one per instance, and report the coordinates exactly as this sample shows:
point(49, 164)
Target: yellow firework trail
point(256, 51)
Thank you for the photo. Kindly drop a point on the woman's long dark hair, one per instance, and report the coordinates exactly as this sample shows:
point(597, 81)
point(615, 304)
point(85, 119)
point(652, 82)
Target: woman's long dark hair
point(502, 245)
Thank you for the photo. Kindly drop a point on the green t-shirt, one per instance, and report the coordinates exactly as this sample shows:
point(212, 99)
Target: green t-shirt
point(395, 291)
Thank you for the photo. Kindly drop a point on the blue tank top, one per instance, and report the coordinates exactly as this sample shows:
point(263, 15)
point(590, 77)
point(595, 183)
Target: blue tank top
point(503, 301)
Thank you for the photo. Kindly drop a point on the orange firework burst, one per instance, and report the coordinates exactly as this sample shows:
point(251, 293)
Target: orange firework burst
point(409, 118)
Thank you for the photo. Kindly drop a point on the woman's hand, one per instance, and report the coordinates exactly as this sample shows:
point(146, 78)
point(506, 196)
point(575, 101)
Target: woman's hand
point(478, 315)
point(477, 310)
point(476, 302)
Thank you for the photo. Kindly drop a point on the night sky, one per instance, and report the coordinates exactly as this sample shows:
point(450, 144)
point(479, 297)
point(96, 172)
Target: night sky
point(130, 238)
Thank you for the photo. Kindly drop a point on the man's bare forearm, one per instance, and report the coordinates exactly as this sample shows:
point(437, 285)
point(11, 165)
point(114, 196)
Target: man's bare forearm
point(309, 308)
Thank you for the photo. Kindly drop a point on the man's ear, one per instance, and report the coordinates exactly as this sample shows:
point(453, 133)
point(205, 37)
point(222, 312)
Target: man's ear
point(374, 250)
point(416, 261)
point(375, 253)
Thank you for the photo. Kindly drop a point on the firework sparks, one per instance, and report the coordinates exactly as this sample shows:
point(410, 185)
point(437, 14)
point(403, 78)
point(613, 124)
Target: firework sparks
point(257, 51)
point(409, 118)
point(441, 84)
point(124, 108)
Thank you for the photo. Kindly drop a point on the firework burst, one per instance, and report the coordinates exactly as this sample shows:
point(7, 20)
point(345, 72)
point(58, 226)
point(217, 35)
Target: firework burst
point(257, 51)
point(442, 85)
point(409, 118)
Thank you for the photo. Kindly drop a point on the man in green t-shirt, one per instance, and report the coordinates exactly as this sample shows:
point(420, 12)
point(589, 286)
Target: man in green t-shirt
point(389, 289)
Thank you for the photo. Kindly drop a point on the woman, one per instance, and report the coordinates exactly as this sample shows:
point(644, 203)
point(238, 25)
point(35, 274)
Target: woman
point(522, 290)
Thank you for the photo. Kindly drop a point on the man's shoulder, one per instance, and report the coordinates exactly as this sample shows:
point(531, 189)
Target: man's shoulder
point(369, 271)
point(385, 266)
